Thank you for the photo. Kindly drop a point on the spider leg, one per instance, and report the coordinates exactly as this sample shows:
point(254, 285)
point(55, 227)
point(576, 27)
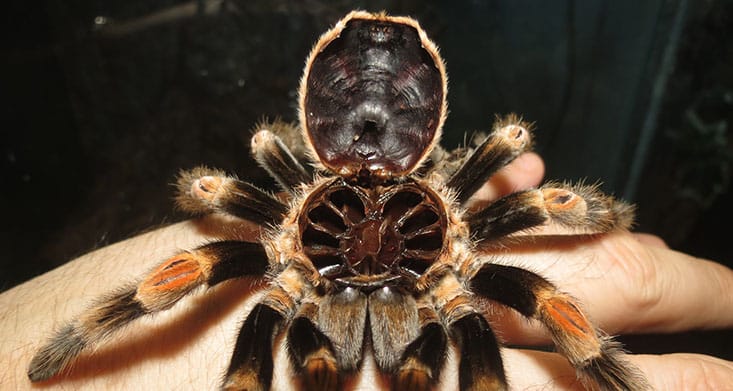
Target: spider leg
point(311, 352)
point(598, 360)
point(204, 191)
point(581, 208)
point(509, 138)
point(251, 365)
point(480, 367)
point(275, 157)
point(164, 286)
point(423, 359)
point(325, 341)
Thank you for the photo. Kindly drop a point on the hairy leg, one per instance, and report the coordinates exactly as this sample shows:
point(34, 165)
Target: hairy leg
point(423, 359)
point(162, 288)
point(581, 209)
point(275, 157)
point(597, 358)
point(509, 138)
point(203, 191)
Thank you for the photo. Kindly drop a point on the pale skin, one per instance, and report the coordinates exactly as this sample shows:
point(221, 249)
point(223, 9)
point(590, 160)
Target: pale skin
point(628, 283)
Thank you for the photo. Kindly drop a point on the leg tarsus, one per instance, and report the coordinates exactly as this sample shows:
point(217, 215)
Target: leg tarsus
point(581, 209)
point(113, 312)
point(610, 371)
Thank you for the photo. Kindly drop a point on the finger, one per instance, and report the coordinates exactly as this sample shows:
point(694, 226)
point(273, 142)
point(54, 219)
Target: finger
point(626, 286)
point(686, 371)
point(528, 369)
point(525, 172)
point(678, 292)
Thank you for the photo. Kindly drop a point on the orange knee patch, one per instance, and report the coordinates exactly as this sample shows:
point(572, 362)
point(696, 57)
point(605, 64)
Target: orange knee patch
point(179, 272)
point(568, 317)
point(561, 200)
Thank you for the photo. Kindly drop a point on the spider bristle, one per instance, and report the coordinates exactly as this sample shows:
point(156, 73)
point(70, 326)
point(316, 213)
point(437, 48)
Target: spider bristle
point(289, 133)
point(98, 322)
point(271, 153)
point(611, 371)
point(509, 138)
point(513, 119)
point(604, 212)
point(185, 201)
point(56, 355)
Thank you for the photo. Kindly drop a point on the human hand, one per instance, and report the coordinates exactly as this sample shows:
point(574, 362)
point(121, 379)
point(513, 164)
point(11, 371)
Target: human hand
point(627, 283)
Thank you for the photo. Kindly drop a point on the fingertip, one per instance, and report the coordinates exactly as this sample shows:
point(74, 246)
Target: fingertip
point(530, 168)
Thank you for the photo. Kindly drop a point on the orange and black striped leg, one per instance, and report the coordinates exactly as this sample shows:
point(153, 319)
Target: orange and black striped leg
point(275, 157)
point(596, 357)
point(205, 191)
point(509, 138)
point(161, 289)
point(582, 209)
point(311, 353)
point(422, 360)
point(480, 366)
point(251, 365)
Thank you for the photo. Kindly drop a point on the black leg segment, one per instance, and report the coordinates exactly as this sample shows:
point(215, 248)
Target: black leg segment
point(480, 367)
point(507, 215)
point(275, 157)
point(510, 286)
point(311, 354)
point(508, 140)
point(422, 360)
point(251, 364)
point(236, 259)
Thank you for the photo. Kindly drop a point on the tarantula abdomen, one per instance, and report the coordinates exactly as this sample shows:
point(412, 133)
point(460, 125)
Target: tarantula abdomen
point(373, 98)
point(349, 231)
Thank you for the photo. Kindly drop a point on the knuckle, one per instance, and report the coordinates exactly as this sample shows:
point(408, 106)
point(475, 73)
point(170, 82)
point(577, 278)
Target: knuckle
point(639, 276)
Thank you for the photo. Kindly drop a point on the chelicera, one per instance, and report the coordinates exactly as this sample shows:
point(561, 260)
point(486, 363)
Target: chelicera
point(371, 250)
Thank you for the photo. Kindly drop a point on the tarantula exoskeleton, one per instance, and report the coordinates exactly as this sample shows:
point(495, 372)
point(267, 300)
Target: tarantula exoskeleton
point(371, 247)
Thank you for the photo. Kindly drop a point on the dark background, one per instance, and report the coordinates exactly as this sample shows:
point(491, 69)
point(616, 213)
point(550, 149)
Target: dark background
point(106, 101)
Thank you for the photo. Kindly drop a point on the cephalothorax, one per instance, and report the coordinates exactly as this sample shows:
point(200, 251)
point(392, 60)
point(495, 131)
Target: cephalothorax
point(374, 250)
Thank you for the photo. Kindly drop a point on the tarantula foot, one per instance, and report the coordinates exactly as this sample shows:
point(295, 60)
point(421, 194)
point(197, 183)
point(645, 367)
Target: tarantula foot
point(515, 134)
point(243, 381)
point(320, 372)
point(564, 201)
point(56, 355)
point(414, 376)
point(609, 370)
point(206, 187)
